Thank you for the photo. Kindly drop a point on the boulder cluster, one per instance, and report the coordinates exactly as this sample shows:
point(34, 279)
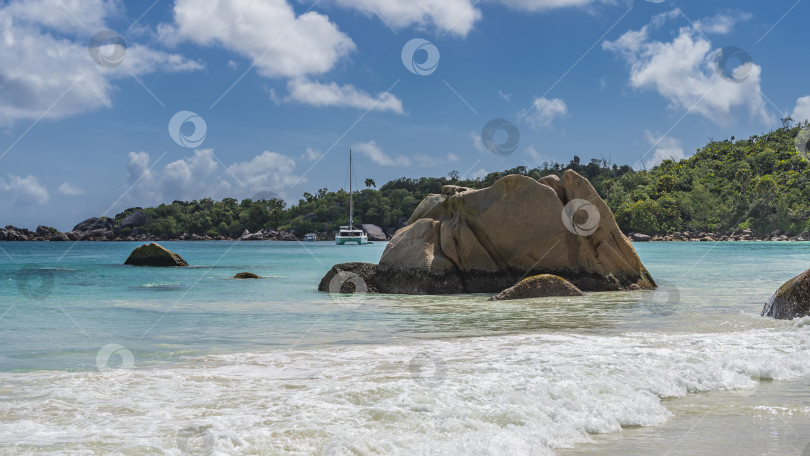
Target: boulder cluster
point(483, 241)
point(735, 235)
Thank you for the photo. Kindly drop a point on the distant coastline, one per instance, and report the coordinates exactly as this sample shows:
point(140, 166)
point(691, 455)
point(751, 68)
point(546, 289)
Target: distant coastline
point(98, 231)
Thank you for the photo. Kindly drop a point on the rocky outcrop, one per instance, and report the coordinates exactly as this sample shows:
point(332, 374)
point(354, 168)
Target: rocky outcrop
point(374, 232)
point(93, 223)
point(245, 275)
point(134, 220)
point(539, 286)
point(154, 255)
point(483, 241)
point(791, 300)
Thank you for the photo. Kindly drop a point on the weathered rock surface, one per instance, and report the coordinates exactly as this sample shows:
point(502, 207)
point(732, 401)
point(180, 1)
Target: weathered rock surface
point(791, 300)
point(154, 255)
point(538, 286)
point(374, 232)
point(93, 223)
point(245, 275)
point(486, 240)
point(134, 220)
point(638, 237)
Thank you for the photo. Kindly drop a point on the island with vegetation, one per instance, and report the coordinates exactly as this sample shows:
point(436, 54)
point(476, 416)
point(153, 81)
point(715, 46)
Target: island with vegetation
point(754, 188)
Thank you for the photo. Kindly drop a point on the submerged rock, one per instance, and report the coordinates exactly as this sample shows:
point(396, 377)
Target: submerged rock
point(486, 240)
point(791, 300)
point(245, 275)
point(154, 255)
point(538, 286)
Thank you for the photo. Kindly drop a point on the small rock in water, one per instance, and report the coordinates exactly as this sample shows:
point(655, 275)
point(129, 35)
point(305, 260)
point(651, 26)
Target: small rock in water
point(154, 255)
point(538, 286)
point(246, 275)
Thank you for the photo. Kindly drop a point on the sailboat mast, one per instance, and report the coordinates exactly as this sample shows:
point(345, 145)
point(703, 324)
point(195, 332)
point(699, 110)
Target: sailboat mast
point(351, 204)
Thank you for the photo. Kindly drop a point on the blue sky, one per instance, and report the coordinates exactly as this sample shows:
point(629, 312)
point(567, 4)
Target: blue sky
point(281, 89)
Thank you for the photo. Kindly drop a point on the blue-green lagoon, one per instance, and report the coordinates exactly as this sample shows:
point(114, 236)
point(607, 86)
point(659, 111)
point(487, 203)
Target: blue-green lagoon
point(101, 358)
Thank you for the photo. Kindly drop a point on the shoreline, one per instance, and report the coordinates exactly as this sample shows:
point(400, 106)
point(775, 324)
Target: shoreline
point(47, 234)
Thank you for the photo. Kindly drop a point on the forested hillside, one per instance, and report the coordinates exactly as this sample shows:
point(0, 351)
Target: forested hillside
point(761, 183)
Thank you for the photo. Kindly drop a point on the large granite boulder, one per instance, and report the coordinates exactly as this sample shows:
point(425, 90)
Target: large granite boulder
point(791, 300)
point(93, 223)
point(134, 220)
point(539, 286)
point(374, 232)
point(154, 255)
point(486, 240)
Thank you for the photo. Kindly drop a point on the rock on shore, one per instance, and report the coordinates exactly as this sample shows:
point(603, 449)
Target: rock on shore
point(538, 286)
point(154, 255)
point(791, 300)
point(486, 240)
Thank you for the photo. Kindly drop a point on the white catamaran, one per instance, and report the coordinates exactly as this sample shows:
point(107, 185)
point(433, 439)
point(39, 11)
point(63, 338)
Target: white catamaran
point(349, 234)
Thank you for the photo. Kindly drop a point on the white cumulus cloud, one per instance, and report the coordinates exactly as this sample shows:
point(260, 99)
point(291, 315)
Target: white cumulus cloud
point(371, 150)
point(313, 93)
point(684, 71)
point(279, 42)
point(457, 17)
point(661, 148)
point(69, 189)
point(45, 68)
point(543, 111)
point(801, 112)
point(202, 175)
point(23, 191)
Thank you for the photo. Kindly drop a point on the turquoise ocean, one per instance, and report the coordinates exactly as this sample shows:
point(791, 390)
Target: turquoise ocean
point(101, 358)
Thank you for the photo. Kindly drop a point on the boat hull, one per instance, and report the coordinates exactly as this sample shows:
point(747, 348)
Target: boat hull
point(359, 240)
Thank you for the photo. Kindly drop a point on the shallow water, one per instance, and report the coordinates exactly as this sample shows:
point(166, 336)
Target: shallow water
point(99, 358)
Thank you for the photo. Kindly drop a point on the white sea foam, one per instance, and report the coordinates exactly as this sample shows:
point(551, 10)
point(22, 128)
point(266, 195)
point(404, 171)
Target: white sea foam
point(505, 395)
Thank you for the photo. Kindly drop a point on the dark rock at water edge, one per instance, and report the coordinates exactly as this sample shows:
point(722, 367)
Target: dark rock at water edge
point(791, 300)
point(246, 275)
point(539, 286)
point(379, 279)
point(154, 255)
